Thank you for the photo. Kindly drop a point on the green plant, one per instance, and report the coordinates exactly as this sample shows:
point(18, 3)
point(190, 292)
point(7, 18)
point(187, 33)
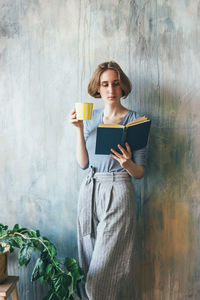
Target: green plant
point(62, 276)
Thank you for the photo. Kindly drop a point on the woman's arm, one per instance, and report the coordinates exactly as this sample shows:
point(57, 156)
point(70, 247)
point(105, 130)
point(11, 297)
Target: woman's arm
point(81, 151)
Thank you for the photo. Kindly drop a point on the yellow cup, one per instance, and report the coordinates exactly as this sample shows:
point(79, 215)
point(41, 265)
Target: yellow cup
point(84, 111)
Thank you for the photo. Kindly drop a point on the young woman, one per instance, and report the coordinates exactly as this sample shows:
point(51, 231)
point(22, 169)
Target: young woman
point(107, 203)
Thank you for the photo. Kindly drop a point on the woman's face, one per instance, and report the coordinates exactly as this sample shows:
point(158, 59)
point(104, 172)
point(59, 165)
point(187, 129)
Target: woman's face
point(110, 89)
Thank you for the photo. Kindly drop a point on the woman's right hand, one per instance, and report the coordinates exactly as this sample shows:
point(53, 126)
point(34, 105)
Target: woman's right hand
point(73, 120)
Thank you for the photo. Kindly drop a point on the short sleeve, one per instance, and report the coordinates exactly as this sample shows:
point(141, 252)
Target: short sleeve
point(139, 157)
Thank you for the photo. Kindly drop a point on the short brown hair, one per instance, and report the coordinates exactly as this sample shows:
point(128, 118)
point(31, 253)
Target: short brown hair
point(95, 80)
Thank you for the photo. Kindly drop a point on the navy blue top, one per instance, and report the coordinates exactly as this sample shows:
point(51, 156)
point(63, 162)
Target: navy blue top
point(105, 163)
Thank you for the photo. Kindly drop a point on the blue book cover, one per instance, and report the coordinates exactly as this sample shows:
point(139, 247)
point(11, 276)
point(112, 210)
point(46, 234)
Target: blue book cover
point(135, 133)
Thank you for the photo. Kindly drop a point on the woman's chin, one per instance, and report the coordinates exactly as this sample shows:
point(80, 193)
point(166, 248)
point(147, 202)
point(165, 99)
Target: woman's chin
point(112, 100)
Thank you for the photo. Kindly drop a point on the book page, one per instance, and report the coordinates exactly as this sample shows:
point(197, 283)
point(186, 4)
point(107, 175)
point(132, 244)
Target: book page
point(111, 125)
point(137, 121)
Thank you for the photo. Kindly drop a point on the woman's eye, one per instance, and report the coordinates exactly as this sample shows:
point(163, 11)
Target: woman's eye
point(113, 84)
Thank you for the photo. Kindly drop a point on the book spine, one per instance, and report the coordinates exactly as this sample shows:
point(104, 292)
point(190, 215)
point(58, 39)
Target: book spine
point(123, 139)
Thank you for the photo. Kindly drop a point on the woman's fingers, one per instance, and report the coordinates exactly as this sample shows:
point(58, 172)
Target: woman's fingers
point(72, 114)
point(115, 157)
point(115, 152)
point(124, 157)
point(74, 121)
point(128, 148)
point(122, 149)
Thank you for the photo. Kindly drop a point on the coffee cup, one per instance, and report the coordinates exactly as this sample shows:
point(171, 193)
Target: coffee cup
point(84, 110)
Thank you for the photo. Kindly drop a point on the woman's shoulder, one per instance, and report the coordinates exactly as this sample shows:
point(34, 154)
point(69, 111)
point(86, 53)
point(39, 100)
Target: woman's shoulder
point(132, 115)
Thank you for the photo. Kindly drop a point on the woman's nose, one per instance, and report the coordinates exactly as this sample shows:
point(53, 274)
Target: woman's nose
point(110, 88)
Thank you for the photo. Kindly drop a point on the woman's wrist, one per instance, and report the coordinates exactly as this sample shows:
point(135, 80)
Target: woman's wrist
point(133, 169)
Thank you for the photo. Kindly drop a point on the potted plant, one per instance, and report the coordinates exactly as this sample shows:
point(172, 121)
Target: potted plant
point(3, 262)
point(62, 276)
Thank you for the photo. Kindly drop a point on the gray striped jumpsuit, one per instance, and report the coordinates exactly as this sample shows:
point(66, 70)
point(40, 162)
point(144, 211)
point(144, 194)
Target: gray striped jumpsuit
point(106, 224)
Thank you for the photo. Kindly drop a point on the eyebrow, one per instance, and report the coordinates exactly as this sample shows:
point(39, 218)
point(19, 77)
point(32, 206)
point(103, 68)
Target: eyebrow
point(112, 81)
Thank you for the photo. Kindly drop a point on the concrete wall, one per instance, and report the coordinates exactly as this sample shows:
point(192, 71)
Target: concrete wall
point(48, 51)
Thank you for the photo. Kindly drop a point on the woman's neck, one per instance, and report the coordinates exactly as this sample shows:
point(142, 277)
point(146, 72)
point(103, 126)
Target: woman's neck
point(111, 111)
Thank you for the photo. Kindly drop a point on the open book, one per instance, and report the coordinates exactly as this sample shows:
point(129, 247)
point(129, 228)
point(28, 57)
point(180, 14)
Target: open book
point(135, 133)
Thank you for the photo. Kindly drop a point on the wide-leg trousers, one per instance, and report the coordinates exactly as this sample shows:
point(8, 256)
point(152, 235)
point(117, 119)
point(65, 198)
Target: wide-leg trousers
point(106, 236)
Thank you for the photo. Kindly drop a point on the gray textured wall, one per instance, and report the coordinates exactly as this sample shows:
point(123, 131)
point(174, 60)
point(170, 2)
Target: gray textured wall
point(48, 50)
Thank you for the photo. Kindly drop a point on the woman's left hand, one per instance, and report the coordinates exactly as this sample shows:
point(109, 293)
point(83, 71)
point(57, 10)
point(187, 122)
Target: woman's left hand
point(123, 158)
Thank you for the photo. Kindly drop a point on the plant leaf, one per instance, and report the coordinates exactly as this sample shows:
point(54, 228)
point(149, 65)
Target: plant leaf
point(31, 233)
point(45, 257)
point(16, 228)
point(42, 280)
point(49, 268)
point(15, 242)
point(24, 255)
point(73, 267)
point(57, 261)
point(52, 250)
point(38, 270)
point(75, 272)
point(22, 229)
point(45, 238)
point(38, 245)
point(61, 282)
point(70, 264)
point(51, 296)
point(3, 229)
point(2, 248)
